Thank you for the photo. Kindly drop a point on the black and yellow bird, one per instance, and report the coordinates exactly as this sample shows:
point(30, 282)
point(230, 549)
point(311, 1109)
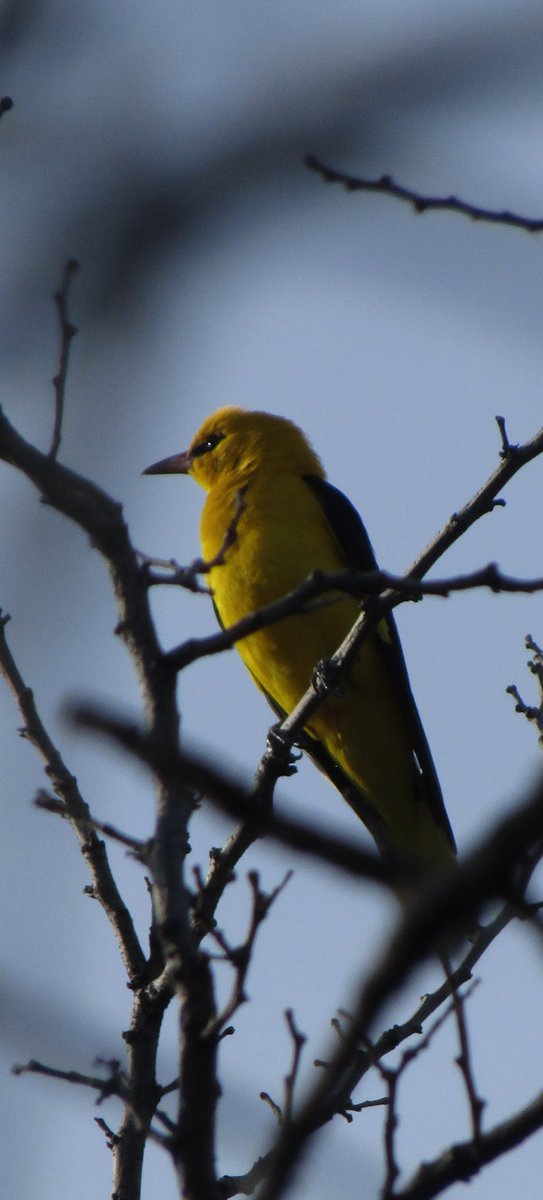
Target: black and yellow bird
point(367, 736)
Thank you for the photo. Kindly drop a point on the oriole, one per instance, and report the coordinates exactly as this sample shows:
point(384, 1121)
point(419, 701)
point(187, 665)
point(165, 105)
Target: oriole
point(367, 736)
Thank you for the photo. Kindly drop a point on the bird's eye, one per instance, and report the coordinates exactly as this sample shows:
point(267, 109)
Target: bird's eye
point(208, 444)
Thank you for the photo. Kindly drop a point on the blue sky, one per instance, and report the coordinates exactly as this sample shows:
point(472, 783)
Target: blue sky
point(164, 149)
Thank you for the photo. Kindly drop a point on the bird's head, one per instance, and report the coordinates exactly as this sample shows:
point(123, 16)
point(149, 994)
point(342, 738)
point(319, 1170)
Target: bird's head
point(233, 443)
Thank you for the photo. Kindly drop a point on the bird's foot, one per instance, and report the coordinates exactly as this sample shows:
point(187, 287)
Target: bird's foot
point(280, 750)
point(326, 677)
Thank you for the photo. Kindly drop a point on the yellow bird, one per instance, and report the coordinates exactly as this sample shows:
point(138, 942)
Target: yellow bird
point(367, 736)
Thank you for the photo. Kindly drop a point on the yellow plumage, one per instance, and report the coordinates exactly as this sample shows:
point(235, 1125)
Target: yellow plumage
point(367, 737)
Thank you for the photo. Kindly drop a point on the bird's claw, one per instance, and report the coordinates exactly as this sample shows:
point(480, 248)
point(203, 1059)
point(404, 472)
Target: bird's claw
point(326, 677)
point(280, 749)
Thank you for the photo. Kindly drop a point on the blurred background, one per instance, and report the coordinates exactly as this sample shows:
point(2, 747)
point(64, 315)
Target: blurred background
point(163, 146)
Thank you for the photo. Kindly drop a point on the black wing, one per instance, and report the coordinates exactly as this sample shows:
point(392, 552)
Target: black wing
point(350, 532)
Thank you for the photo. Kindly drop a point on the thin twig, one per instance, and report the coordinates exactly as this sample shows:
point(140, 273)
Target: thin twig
point(48, 803)
point(420, 203)
point(284, 1113)
point(276, 1108)
point(507, 447)
point(187, 577)
point(298, 1042)
point(67, 333)
point(464, 1060)
point(112, 1139)
point(112, 1085)
point(177, 575)
point(530, 711)
point(240, 956)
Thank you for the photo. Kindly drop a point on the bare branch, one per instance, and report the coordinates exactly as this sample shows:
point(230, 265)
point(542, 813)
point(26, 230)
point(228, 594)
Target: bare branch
point(187, 970)
point(361, 584)
point(482, 502)
point(187, 577)
point(456, 895)
point(392, 1077)
point(452, 901)
point(48, 803)
point(461, 1161)
point(234, 799)
point(73, 806)
point(193, 1142)
point(240, 956)
point(174, 937)
point(101, 518)
point(176, 576)
point(420, 203)
point(245, 1185)
point(112, 1085)
point(369, 1057)
point(363, 1059)
point(464, 1061)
